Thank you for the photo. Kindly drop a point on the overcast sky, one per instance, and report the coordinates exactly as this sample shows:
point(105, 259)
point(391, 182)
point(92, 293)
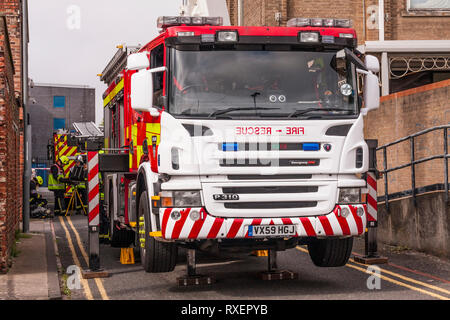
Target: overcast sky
point(71, 41)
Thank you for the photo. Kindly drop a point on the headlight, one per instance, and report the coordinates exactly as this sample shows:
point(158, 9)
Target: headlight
point(185, 198)
point(349, 195)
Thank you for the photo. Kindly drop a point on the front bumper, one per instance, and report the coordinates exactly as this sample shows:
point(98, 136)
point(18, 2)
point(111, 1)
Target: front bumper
point(210, 227)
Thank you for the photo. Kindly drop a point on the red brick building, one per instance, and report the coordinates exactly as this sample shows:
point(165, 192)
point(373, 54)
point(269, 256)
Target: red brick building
point(11, 127)
point(411, 37)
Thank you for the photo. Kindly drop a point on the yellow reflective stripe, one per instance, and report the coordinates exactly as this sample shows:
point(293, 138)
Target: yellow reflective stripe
point(134, 133)
point(113, 93)
point(155, 234)
point(134, 139)
point(139, 152)
point(72, 151)
point(153, 128)
point(61, 151)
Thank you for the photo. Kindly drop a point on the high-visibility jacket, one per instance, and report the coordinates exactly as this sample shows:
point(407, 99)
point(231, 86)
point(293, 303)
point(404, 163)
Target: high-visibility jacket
point(100, 183)
point(55, 183)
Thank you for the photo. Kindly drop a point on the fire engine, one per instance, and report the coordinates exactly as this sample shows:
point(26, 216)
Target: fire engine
point(63, 145)
point(231, 137)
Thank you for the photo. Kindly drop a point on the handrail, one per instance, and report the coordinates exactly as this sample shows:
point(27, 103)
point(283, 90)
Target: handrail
point(445, 156)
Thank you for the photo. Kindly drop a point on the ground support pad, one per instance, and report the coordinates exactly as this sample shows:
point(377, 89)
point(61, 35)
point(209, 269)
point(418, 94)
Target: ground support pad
point(195, 280)
point(371, 260)
point(278, 275)
point(88, 274)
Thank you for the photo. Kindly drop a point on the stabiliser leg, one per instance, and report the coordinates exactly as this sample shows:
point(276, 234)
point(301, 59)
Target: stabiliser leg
point(192, 278)
point(94, 271)
point(371, 247)
point(273, 273)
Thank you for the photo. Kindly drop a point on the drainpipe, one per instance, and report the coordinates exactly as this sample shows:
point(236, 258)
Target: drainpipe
point(240, 12)
point(380, 20)
point(26, 121)
point(384, 55)
point(364, 20)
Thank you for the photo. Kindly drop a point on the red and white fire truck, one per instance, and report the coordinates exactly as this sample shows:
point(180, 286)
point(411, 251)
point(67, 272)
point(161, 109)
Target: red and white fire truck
point(248, 138)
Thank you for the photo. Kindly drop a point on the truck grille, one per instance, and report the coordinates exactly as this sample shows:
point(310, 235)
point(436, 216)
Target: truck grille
point(270, 189)
point(270, 205)
point(268, 177)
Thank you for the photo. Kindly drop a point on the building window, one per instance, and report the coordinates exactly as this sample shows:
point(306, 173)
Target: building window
point(59, 102)
point(59, 123)
point(433, 5)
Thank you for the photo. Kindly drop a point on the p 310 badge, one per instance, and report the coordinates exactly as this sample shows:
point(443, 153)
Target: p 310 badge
point(226, 196)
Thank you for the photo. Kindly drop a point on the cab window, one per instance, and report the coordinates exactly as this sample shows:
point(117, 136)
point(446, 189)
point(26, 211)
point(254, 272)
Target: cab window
point(157, 60)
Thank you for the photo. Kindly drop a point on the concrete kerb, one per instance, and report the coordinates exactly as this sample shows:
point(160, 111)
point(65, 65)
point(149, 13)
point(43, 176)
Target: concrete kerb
point(53, 263)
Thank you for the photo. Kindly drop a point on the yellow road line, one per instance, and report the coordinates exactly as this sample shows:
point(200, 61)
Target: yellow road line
point(395, 281)
point(408, 279)
point(400, 283)
point(84, 282)
point(98, 281)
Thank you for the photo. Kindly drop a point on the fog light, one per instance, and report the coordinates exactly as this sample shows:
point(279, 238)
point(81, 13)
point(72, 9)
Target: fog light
point(349, 195)
point(360, 212)
point(175, 215)
point(345, 212)
point(194, 215)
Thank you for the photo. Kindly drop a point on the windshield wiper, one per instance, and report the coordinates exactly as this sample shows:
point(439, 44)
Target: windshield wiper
point(304, 111)
point(219, 112)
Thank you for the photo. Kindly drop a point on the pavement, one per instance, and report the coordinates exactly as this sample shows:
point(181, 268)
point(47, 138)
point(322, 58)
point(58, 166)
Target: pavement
point(34, 271)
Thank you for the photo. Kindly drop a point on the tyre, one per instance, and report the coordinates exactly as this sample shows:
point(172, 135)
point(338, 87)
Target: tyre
point(156, 256)
point(330, 252)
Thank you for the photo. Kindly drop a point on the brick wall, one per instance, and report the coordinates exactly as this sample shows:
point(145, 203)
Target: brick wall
point(416, 25)
point(10, 171)
point(404, 113)
point(399, 23)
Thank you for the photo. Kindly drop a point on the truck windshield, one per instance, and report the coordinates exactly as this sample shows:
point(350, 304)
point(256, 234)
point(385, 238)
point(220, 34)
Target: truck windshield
point(261, 84)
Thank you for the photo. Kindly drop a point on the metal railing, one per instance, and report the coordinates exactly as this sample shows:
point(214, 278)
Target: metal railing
point(445, 156)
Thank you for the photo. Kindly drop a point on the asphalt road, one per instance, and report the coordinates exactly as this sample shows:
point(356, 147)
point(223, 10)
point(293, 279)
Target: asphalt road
point(409, 275)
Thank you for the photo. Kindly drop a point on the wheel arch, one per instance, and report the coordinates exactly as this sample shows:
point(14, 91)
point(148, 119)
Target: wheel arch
point(146, 179)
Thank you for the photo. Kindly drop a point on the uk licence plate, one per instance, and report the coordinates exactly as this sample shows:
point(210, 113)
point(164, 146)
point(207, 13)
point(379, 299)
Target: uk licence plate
point(271, 230)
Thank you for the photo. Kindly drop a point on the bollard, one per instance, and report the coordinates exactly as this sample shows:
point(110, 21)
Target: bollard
point(371, 255)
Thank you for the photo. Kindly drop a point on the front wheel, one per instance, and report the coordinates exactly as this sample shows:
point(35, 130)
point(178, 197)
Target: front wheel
point(330, 252)
point(156, 256)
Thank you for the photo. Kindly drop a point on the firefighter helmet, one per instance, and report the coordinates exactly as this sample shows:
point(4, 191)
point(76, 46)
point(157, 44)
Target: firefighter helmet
point(39, 180)
point(64, 160)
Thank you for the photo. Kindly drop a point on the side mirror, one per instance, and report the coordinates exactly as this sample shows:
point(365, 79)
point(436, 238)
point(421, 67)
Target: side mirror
point(371, 91)
point(138, 61)
point(142, 91)
point(372, 63)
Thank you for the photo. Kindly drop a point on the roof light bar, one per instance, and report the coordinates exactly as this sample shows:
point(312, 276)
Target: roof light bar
point(319, 22)
point(169, 21)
